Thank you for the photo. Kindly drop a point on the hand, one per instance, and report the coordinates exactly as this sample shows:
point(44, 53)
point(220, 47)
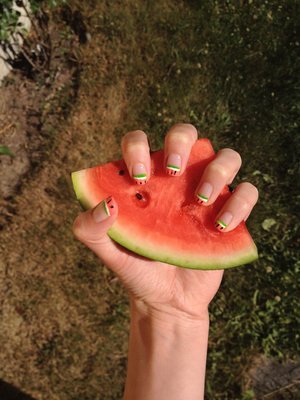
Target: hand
point(159, 288)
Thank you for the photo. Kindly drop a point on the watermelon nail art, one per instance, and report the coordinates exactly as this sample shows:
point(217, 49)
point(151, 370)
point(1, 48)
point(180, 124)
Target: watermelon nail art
point(204, 193)
point(139, 174)
point(223, 221)
point(163, 242)
point(173, 164)
point(102, 211)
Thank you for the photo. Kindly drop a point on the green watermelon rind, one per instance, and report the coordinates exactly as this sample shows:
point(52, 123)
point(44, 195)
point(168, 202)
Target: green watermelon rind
point(77, 178)
point(115, 233)
point(203, 264)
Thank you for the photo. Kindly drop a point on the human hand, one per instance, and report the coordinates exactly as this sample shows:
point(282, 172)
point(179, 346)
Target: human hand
point(160, 289)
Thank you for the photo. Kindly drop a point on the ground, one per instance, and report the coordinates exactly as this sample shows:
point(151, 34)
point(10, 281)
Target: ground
point(227, 68)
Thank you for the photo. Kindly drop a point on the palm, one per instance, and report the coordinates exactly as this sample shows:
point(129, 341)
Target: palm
point(164, 284)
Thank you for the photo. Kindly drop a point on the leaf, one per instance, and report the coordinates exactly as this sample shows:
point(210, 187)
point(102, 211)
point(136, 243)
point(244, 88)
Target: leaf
point(268, 224)
point(4, 150)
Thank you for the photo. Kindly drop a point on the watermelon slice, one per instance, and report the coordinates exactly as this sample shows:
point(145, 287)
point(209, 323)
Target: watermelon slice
point(162, 220)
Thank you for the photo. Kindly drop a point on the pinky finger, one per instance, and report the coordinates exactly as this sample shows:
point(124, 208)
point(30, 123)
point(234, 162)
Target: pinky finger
point(237, 208)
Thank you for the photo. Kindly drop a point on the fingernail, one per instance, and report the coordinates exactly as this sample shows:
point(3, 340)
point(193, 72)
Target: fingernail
point(223, 221)
point(139, 173)
point(173, 164)
point(204, 193)
point(102, 211)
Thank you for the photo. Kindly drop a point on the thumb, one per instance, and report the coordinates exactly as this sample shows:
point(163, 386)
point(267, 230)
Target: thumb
point(90, 228)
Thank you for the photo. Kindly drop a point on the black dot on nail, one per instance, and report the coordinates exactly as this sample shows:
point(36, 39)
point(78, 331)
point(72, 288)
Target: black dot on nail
point(121, 172)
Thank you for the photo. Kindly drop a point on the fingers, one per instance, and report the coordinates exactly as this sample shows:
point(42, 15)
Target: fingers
point(237, 208)
point(218, 173)
point(136, 154)
point(178, 144)
point(91, 228)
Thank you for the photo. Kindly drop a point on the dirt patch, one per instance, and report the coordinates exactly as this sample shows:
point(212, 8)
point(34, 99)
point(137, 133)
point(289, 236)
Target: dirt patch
point(56, 305)
point(274, 380)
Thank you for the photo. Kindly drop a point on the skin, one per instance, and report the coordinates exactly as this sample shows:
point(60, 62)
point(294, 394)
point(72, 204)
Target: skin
point(169, 305)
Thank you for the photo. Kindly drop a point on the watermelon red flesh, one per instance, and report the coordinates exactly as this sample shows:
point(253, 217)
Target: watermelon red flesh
point(162, 220)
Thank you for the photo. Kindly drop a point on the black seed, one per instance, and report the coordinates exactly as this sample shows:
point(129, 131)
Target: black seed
point(111, 206)
point(139, 196)
point(121, 172)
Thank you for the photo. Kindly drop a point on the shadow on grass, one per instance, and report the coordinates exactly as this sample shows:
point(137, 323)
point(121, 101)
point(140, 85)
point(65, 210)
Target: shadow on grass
point(10, 392)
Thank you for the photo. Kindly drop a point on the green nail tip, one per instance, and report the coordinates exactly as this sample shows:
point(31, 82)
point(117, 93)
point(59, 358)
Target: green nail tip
point(221, 223)
point(202, 197)
point(173, 167)
point(140, 176)
point(106, 210)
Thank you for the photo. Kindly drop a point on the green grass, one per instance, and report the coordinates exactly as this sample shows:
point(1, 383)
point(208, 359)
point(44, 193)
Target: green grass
point(229, 68)
point(5, 151)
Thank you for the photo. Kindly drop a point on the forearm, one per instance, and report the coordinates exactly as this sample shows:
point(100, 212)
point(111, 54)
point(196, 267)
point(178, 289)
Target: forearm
point(166, 358)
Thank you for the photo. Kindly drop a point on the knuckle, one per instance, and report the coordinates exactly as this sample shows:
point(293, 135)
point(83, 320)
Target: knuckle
point(247, 193)
point(244, 203)
point(77, 228)
point(251, 189)
point(183, 132)
point(234, 155)
point(219, 169)
point(135, 140)
point(133, 136)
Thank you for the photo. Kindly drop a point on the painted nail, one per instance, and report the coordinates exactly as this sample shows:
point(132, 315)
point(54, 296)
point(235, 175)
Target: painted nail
point(204, 193)
point(139, 174)
point(173, 164)
point(223, 221)
point(102, 211)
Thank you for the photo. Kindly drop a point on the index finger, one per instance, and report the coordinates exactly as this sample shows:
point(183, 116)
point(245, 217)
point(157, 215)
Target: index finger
point(136, 154)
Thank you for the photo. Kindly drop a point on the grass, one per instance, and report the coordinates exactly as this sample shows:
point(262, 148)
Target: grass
point(229, 68)
point(5, 151)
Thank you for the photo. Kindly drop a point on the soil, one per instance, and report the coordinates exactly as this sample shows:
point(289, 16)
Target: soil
point(274, 380)
point(56, 301)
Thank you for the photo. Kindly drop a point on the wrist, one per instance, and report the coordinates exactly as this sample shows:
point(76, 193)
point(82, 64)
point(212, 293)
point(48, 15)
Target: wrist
point(167, 353)
point(166, 315)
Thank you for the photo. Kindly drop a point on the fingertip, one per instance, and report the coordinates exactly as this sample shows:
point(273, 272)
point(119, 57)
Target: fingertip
point(91, 225)
point(105, 209)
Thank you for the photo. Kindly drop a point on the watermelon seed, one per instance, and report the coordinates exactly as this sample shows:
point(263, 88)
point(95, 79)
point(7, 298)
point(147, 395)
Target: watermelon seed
point(121, 172)
point(139, 196)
